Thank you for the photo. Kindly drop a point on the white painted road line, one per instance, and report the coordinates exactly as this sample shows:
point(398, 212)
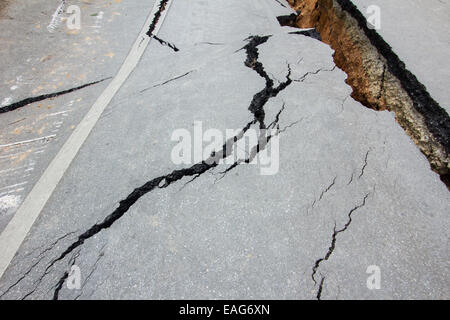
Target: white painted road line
point(19, 226)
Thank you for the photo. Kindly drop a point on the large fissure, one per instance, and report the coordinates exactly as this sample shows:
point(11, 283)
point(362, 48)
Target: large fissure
point(378, 77)
point(260, 99)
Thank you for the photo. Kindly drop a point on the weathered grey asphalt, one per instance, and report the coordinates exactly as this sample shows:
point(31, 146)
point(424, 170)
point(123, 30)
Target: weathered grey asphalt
point(352, 187)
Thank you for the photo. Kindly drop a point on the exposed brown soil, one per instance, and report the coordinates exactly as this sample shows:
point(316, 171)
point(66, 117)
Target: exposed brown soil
point(376, 82)
point(3, 5)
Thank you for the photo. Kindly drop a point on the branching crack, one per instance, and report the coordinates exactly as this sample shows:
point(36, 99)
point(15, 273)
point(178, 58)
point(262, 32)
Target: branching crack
point(260, 99)
point(257, 109)
point(40, 257)
point(263, 141)
point(334, 238)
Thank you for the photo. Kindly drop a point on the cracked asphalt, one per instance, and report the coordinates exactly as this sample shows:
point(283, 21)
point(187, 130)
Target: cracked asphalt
point(352, 189)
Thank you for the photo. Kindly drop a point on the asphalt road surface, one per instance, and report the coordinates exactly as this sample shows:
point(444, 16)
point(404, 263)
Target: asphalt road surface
point(338, 202)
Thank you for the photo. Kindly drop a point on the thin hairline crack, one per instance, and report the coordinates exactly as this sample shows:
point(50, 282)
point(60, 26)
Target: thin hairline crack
point(333, 242)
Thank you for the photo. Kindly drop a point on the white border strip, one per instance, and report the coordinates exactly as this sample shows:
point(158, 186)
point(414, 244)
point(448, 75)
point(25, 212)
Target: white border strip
point(19, 226)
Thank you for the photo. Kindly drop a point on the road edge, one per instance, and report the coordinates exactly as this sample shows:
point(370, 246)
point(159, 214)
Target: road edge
point(17, 229)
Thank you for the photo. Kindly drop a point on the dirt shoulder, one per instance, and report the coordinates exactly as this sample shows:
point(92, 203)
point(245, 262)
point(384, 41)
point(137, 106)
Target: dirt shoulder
point(3, 7)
